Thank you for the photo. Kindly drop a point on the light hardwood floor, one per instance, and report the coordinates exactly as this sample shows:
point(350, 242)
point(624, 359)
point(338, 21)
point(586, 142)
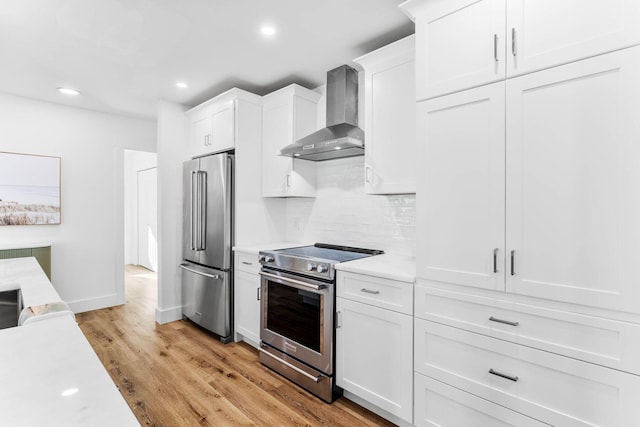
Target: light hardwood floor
point(176, 374)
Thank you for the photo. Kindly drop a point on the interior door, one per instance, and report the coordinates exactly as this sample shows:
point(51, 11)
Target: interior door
point(573, 199)
point(461, 140)
point(148, 218)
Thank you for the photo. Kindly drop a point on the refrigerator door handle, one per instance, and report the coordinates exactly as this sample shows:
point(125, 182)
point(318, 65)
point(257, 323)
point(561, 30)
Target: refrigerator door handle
point(192, 219)
point(201, 273)
point(202, 196)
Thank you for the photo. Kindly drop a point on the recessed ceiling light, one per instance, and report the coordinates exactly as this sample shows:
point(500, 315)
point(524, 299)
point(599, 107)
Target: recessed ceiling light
point(68, 91)
point(268, 30)
point(182, 85)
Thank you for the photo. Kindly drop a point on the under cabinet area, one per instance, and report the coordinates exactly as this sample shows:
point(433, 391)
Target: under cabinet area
point(390, 118)
point(468, 43)
point(246, 294)
point(288, 114)
point(374, 359)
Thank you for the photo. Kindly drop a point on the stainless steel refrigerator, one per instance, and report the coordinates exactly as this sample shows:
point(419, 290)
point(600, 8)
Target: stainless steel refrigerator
point(207, 239)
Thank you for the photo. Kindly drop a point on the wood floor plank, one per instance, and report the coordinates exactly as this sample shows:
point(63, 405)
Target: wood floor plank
point(178, 374)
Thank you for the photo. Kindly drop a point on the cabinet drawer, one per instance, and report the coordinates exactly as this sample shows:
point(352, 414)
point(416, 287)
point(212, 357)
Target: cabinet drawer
point(437, 404)
point(390, 294)
point(605, 342)
point(554, 389)
point(247, 262)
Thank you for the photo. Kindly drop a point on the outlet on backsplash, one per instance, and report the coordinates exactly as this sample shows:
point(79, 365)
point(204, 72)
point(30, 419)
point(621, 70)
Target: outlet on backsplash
point(342, 213)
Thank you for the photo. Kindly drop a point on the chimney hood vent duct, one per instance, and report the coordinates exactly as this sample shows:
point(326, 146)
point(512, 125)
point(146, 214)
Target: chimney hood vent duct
point(342, 137)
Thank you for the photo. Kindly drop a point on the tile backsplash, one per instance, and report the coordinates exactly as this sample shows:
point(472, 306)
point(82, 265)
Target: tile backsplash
point(341, 213)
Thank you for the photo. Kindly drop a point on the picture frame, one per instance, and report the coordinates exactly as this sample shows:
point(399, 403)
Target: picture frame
point(30, 189)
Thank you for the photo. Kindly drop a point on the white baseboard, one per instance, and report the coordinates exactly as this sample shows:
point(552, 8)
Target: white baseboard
point(168, 314)
point(80, 306)
point(376, 410)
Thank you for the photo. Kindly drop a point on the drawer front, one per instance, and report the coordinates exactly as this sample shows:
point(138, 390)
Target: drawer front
point(440, 405)
point(390, 294)
point(605, 342)
point(247, 262)
point(554, 389)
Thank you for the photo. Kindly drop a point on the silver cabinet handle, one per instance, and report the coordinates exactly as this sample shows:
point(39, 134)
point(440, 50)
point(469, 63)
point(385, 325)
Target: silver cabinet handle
point(495, 47)
point(295, 368)
point(506, 322)
point(258, 294)
point(367, 174)
point(247, 263)
point(514, 50)
point(501, 375)
point(338, 317)
point(495, 260)
point(513, 262)
point(288, 180)
point(212, 276)
point(368, 291)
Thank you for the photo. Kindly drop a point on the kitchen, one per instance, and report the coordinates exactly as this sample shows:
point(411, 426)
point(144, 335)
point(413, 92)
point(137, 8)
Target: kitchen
point(475, 289)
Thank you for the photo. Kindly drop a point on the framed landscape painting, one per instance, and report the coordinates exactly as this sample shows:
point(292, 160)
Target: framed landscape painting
point(29, 189)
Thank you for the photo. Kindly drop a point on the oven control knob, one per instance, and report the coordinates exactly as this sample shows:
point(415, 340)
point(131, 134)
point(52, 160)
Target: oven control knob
point(311, 267)
point(262, 258)
point(268, 258)
point(321, 268)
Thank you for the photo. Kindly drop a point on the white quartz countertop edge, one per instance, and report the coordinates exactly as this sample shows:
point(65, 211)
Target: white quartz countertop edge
point(26, 275)
point(386, 266)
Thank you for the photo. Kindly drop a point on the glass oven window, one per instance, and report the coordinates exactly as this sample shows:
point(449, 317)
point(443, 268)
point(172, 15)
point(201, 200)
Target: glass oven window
point(295, 314)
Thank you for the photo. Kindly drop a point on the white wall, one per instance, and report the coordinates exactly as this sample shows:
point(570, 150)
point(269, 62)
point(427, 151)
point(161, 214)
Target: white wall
point(173, 131)
point(134, 161)
point(87, 248)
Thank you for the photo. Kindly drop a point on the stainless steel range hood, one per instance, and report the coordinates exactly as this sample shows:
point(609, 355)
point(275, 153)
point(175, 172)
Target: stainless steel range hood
point(342, 137)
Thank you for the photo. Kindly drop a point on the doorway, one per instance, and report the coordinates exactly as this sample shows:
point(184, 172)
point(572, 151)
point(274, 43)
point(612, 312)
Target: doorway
point(148, 218)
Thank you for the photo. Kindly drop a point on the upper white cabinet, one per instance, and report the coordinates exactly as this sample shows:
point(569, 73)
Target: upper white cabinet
point(390, 118)
point(288, 115)
point(213, 126)
point(571, 190)
point(467, 43)
point(461, 183)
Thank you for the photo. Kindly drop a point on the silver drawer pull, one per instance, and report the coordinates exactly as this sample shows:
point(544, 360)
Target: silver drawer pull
point(501, 375)
point(506, 322)
point(247, 263)
point(368, 291)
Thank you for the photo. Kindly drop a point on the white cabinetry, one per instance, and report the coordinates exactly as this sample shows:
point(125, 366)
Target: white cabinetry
point(247, 297)
point(374, 359)
point(390, 118)
point(288, 115)
point(213, 125)
point(466, 43)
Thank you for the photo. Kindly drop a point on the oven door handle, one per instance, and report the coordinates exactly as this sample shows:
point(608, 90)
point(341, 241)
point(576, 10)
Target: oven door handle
point(297, 282)
point(295, 368)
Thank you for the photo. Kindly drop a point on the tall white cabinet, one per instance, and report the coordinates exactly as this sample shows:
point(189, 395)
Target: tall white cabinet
point(390, 118)
point(528, 212)
point(288, 114)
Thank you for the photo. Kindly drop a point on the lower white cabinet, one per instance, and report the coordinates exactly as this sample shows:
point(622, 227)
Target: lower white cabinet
point(247, 298)
point(554, 389)
point(441, 405)
point(374, 359)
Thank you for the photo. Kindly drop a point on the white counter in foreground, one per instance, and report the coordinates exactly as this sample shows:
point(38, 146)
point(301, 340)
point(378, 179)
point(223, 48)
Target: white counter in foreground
point(49, 374)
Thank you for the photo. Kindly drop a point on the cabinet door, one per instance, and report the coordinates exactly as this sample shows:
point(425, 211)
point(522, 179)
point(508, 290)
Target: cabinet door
point(200, 134)
point(545, 33)
point(374, 356)
point(573, 182)
point(247, 306)
point(459, 44)
point(461, 185)
point(223, 127)
point(277, 131)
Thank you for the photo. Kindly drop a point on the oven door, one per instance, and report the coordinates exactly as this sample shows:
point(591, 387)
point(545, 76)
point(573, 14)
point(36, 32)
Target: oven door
point(297, 317)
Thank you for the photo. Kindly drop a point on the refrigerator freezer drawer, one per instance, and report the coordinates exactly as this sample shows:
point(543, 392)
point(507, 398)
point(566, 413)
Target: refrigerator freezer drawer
point(206, 298)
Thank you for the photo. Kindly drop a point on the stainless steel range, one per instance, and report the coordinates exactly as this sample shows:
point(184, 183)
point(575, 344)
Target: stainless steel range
point(297, 336)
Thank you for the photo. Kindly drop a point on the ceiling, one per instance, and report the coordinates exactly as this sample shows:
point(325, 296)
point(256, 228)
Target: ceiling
point(124, 55)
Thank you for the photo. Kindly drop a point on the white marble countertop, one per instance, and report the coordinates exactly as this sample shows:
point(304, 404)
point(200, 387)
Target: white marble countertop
point(22, 245)
point(42, 359)
point(25, 274)
point(42, 362)
point(394, 267)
